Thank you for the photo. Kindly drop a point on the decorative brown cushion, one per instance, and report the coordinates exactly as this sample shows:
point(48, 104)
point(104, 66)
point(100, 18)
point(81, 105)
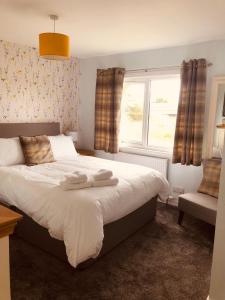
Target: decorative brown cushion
point(211, 177)
point(36, 149)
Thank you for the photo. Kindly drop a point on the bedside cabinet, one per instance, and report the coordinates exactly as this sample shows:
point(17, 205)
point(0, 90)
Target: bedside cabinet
point(8, 220)
point(86, 152)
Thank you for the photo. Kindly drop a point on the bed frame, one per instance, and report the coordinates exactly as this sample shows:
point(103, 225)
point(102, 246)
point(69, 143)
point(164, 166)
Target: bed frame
point(114, 232)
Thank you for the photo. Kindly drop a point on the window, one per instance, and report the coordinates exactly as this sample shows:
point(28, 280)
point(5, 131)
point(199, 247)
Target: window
point(149, 110)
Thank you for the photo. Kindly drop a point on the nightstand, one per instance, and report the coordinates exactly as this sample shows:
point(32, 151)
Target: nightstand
point(8, 220)
point(86, 152)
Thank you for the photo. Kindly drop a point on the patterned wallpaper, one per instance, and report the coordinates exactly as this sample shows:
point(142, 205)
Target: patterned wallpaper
point(37, 90)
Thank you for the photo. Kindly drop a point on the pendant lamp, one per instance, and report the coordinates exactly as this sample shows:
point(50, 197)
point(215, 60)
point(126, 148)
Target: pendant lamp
point(54, 45)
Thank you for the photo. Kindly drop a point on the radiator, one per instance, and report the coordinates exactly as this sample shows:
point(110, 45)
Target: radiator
point(159, 164)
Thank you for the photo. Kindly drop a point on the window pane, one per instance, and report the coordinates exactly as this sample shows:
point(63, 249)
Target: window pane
point(163, 111)
point(132, 112)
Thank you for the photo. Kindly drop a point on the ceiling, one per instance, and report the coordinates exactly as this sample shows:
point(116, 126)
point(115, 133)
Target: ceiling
point(103, 27)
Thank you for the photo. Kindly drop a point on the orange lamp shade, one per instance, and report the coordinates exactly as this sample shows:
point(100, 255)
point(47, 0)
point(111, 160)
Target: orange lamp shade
point(54, 46)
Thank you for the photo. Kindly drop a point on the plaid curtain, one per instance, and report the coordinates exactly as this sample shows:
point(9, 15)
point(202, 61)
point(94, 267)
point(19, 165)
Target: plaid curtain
point(109, 86)
point(190, 117)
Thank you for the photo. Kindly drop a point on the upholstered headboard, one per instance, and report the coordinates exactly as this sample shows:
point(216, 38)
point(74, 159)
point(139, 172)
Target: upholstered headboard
point(8, 130)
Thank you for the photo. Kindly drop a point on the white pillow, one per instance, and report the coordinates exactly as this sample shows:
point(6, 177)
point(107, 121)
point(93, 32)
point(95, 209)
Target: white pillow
point(11, 152)
point(63, 147)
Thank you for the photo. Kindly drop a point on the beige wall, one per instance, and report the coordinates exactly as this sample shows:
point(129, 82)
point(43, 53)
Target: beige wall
point(4, 269)
point(217, 286)
point(37, 90)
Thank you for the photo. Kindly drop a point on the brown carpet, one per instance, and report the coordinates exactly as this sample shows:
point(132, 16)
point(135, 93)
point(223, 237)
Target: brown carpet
point(162, 261)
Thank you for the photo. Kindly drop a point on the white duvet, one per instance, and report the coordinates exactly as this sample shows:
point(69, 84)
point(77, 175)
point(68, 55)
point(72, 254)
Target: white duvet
point(78, 216)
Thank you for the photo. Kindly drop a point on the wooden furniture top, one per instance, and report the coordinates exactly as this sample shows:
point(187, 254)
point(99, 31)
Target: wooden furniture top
point(86, 152)
point(8, 220)
point(221, 126)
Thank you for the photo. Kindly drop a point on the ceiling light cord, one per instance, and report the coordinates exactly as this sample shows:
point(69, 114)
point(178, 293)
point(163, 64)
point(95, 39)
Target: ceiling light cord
point(54, 18)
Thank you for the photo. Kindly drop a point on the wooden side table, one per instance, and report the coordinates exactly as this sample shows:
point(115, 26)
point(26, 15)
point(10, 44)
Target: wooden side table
point(8, 220)
point(86, 152)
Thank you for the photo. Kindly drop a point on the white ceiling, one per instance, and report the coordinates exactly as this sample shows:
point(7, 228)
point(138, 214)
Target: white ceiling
point(102, 27)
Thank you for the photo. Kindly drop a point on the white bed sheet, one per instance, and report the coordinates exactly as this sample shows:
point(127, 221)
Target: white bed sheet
point(78, 216)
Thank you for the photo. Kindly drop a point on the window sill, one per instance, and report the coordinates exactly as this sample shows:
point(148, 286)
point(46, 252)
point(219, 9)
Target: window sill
point(146, 152)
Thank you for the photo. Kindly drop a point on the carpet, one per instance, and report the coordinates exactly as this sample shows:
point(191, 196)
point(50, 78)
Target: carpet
point(162, 261)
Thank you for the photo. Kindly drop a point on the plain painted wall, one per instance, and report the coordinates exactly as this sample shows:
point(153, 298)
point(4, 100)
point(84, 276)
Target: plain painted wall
point(214, 52)
point(217, 286)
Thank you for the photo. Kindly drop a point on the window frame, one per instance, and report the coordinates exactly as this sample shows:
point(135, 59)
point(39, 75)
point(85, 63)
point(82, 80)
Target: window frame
point(143, 147)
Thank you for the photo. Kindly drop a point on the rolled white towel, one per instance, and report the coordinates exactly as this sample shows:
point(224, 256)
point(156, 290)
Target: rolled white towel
point(76, 177)
point(77, 186)
point(107, 182)
point(102, 174)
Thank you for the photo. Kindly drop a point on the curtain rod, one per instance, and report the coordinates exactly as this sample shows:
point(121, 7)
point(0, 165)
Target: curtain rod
point(161, 68)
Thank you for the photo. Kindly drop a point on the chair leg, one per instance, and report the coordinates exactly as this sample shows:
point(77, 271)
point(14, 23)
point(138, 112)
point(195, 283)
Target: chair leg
point(167, 201)
point(180, 218)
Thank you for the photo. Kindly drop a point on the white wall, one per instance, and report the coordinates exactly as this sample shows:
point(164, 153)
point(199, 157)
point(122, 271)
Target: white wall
point(217, 286)
point(214, 52)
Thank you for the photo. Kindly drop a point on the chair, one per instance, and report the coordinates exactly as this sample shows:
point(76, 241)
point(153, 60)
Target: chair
point(198, 205)
point(203, 203)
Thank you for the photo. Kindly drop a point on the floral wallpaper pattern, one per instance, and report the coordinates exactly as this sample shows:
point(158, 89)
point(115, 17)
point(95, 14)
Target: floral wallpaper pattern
point(37, 90)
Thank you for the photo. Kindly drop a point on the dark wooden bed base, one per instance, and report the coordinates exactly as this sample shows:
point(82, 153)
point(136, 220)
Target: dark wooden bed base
point(114, 232)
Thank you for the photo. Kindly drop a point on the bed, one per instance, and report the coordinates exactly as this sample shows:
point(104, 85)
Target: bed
point(89, 222)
